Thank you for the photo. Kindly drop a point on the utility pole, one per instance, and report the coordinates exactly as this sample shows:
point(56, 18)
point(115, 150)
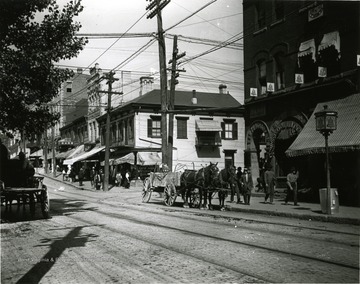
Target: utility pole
point(157, 6)
point(110, 79)
point(53, 150)
point(45, 152)
point(171, 99)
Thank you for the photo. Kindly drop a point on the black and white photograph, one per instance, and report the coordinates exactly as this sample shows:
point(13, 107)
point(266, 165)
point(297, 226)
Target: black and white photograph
point(179, 141)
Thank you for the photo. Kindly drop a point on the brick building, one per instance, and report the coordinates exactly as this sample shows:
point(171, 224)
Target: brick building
point(298, 54)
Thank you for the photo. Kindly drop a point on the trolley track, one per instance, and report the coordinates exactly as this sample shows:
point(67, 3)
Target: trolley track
point(212, 214)
point(293, 252)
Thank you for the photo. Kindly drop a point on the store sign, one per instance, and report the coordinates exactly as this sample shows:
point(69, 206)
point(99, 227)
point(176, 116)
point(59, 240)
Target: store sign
point(253, 92)
point(322, 72)
point(299, 78)
point(315, 13)
point(270, 87)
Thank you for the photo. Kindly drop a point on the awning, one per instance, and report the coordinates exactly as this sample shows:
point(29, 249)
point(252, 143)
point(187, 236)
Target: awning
point(207, 125)
point(129, 158)
point(66, 154)
point(143, 159)
point(306, 48)
point(345, 138)
point(84, 155)
point(148, 158)
point(330, 39)
point(37, 154)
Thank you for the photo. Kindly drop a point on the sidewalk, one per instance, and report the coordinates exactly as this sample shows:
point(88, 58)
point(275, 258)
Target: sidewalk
point(305, 211)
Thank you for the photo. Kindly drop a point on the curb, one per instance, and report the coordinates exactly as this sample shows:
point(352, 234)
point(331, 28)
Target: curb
point(321, 218)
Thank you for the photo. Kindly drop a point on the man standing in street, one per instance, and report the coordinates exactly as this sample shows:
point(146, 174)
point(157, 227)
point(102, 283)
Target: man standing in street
point(247, 185)
point(270, 179)
point(291, 182)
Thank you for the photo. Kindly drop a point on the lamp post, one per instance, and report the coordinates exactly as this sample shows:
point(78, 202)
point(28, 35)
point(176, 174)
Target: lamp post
point(326, 123)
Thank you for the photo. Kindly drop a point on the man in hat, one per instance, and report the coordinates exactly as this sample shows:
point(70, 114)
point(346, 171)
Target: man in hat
point(247, 185)
point(291, 182)
point(270, 179)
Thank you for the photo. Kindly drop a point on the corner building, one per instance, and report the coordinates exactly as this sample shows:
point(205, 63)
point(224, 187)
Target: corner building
point(299, 55)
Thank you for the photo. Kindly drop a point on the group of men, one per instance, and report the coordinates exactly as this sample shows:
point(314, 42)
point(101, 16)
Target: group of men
point(244, 185)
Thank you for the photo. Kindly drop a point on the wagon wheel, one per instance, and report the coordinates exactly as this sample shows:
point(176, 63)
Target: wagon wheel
point(169, 194)
point(146, 193)
point(45, 203)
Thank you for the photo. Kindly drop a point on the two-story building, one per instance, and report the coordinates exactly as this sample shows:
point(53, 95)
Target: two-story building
point(298, 54)
point(208, 127)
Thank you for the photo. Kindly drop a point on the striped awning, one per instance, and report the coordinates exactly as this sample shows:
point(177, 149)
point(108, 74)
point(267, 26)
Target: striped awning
point(344, 139)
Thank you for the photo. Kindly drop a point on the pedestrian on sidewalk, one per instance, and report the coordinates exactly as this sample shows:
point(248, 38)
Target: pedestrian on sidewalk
point(291, 182)
point(92, 177)
point(81, 175)
point(118, 179)
point(247, 185)
point(270, 179)
point(97, 180)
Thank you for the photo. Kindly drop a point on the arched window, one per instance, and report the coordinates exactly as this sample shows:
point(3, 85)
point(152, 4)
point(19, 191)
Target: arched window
point(279, 60)
point(261, 66)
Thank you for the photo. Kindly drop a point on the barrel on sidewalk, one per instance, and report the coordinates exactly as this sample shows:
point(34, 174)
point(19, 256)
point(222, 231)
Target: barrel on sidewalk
point(334, 200)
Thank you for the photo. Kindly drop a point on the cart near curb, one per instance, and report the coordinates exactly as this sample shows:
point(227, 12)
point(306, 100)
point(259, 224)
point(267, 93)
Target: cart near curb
point(166, 183)
point(35, 193)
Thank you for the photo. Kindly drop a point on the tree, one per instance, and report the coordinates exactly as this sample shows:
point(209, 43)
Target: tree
point(29, 48)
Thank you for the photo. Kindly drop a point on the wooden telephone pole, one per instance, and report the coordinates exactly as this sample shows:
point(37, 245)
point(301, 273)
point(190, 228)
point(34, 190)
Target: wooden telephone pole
point(171, 99)
point(158, 5)
point(110, 79)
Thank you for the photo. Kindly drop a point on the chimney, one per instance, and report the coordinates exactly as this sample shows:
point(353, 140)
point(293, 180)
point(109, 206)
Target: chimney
point(145, 85)
point(194, 98)
point(79, 70)
point(222, 89)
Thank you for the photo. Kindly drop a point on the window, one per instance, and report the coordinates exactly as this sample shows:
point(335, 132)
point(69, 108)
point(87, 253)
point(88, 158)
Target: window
point(68, 86)
point(229, 130)
point(260, 15)
point(120, 131)
point(261, 64)
point(229, 157)
point(329, 53)
point(279, 70)
point(307, 60)
point(278, 10)
point(131, 128)
point(154, 126)
point(182, 127)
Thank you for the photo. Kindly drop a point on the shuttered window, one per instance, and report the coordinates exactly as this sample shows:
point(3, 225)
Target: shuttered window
point(154, 127)
point(182, 127)
point(229, 130)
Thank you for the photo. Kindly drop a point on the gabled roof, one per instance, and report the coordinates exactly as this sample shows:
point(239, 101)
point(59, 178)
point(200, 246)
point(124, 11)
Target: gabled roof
point(183, 99)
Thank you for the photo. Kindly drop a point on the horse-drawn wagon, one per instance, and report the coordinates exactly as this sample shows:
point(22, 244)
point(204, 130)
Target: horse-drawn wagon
point(34, 193)
point(196, 187)
point(166, 183)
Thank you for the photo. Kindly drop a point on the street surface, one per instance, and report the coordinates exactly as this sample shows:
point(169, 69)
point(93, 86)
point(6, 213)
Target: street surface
point(111, 237)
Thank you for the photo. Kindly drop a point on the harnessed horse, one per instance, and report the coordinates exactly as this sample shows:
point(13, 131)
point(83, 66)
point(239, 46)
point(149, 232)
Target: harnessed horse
point(226, 180)
point(202, 179)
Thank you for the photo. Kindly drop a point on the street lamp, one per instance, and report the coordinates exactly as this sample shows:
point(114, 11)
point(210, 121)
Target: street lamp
point(326, 122)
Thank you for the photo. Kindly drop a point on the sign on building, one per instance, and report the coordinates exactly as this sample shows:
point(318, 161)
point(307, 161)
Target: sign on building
point(253, 92)
point(299, 78)
point(270, 87)
point(322, 72)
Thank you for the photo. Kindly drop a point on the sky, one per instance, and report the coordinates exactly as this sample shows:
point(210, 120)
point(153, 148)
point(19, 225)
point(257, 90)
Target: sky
point(218, 22)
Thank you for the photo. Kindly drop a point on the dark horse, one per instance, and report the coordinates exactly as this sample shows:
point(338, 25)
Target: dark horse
point(226, 180)
point(202, 179)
